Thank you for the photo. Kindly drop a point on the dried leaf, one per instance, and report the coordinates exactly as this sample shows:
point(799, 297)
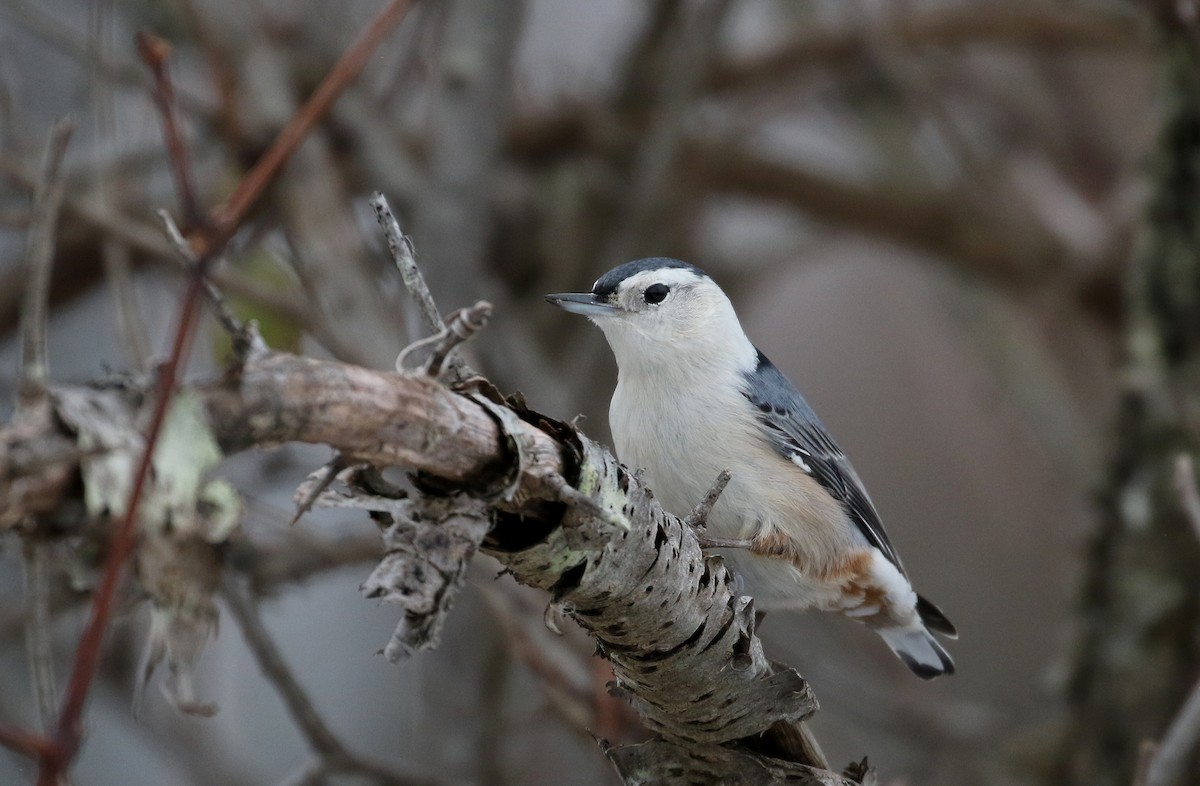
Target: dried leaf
point(181, 575)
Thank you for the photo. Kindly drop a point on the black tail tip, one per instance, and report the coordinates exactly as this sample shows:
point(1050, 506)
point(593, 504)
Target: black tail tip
point(934, 619)
point(927, 671)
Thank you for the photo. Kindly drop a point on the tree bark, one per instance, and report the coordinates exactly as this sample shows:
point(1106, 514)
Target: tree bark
point(566, 517)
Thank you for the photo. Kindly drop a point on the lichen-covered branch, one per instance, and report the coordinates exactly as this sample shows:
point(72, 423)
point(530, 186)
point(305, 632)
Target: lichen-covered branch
point(680, 638)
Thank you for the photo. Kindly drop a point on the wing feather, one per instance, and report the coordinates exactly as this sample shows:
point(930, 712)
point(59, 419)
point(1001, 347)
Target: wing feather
point(795, 431)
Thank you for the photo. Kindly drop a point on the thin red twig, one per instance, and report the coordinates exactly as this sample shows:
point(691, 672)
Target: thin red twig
point(154, 52)
point(19, 740)
point(67, 733)
point(229, 216)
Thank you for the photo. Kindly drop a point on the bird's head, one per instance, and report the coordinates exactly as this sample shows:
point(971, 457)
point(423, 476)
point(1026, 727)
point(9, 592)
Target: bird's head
point(661, 313)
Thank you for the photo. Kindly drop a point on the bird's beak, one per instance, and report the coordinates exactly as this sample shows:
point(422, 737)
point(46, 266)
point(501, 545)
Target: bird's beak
point(582, 303)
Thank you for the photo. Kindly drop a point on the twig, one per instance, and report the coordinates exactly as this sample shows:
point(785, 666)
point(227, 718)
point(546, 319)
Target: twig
point(331, 470)
point(21, 741)
point(401, 249)
point(129, 319)
point(1185, 487)
point(1013, 24)
point(55, 755)
point(709, 542)
point(1169, 762)
point(228, 217)
point(462, 324)
point(333, 755)
point(648, 189)
point(548, 660)
point(146, 239)
point(301, 556)
point(698, 518)
point(39, 256)
point(154, 52)
point(42, 22)
point(39, 646)
point(320, 739)
point(47, 198)
point(89, 210)
point(569, 495)
point(67, 734)
point(183, 251)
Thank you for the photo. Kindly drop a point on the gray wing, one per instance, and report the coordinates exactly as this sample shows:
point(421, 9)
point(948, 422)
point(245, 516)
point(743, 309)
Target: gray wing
point(794, 430)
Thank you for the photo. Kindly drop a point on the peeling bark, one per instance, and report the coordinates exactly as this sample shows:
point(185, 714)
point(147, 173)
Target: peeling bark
point(681, 640)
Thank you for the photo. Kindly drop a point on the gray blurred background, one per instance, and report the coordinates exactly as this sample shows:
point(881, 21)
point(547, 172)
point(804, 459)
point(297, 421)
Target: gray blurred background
point(922, 210)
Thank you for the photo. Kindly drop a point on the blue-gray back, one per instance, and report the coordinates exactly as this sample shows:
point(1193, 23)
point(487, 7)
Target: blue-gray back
point(796, 432)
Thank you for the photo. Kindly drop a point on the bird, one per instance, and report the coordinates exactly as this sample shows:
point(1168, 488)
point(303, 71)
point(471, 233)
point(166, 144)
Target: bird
point(694, 397)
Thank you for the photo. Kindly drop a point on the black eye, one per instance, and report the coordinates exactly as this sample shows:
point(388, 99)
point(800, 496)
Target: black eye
point(656, 293)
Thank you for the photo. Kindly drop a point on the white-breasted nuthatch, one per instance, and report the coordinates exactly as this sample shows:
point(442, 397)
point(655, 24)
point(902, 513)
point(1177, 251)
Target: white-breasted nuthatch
point(695, 397)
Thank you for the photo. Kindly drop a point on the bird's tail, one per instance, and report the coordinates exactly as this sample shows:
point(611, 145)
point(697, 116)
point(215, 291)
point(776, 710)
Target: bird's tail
point(919, 650)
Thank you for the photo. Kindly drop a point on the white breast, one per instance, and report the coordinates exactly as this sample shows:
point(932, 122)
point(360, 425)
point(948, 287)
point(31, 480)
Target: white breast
point(682, 438)
point(684, 434)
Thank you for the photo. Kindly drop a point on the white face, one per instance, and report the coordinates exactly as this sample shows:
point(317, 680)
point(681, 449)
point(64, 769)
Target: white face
point(669, 315)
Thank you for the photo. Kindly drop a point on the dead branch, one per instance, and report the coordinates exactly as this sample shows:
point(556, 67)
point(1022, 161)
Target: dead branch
point(39, 259)
point(130, 324)
point(468, 109)
point(1015, 24)
point(230, 216)
point(154, 52)
point(39, 256)
point(333, 755)
point(401, 249)
point(698, 518)
point(183, 252)
point(680, 639)
point(940, 223)
point(39, 646)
